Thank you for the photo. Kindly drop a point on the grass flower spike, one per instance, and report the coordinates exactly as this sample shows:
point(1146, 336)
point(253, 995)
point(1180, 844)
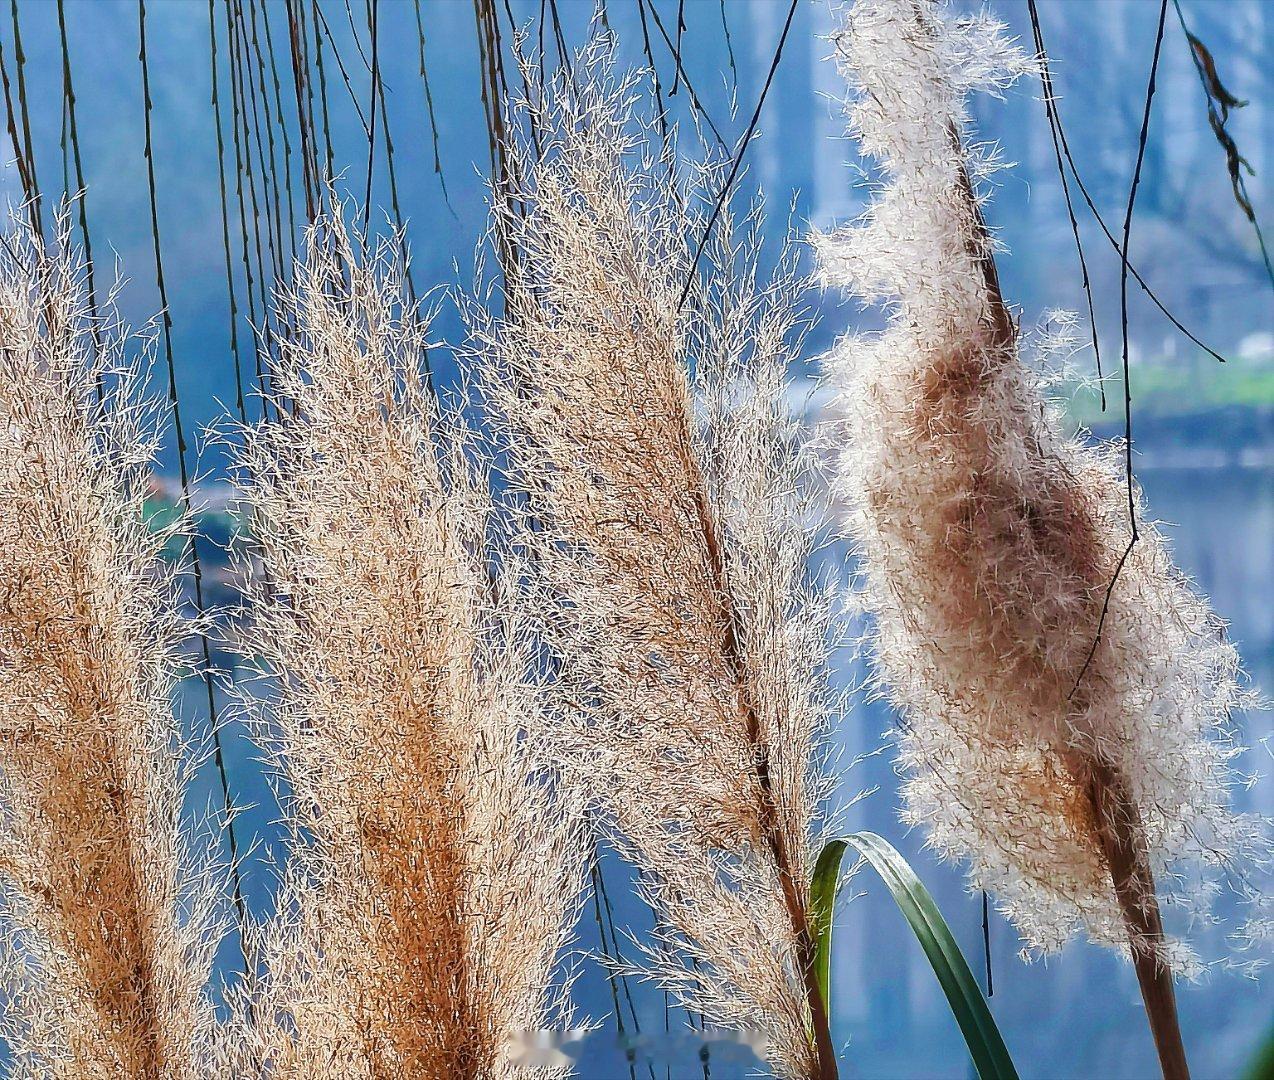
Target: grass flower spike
point(1075, 752)
point(109, 922)
point(437, 871)
point(669, 534)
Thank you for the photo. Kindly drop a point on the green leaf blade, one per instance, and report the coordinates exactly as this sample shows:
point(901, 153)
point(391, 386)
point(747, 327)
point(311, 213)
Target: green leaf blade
point(823, 889)
point(982, 1036)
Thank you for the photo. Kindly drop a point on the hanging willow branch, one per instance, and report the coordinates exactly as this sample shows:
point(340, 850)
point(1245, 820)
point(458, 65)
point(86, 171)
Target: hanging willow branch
point(225, 220)
point(1220, 101)
point(304, 111)
point(20, 61)
point(68, 93)
point(281, 120)
point(429, 109)
point(26, 171)
point(192, 548)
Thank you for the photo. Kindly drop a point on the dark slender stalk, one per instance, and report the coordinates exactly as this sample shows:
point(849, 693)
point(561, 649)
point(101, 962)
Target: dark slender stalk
point(399, 221)
point(540, 38)
point(662, 112)
point(238, 123)
point(683, 76)
point(429, 108)
point(738, 157)
point(1054, 126)
point(24, 168)
point(269, 170)
point(68, 92)
point(65, 144)
point(322, 74)
point(373, 13)
point(274, 116)
point(1142, 139)
point(490, 76)
point(608, 961)
point(986, 943)
point(676, 51)
point(729, 48)
point(340, 64)
point(250, 120)
point(20, 64)
point(1110, 236)
point(1218, 114)
point(240, 405)
point(563, 53)
point(298, 26)
point(353, 32)
point(526, 84)
point(252, 133)
point(304, 119)
point(283, 127)
point(599, 884)
point(192, 548)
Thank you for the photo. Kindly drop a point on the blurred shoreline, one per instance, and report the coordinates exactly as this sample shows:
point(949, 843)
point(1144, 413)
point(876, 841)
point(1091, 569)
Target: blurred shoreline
point(1228, 437)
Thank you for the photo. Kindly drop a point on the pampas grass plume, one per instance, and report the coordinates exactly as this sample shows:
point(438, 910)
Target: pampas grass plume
point(436, 871)
point(669, 538)
point(1078, 760)
point(109, 922)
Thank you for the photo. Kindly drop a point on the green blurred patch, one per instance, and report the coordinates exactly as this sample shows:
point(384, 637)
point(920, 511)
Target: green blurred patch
point(1177, 389)
point(160, 512)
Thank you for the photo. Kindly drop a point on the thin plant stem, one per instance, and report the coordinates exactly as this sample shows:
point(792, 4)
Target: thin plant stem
point(192, 548)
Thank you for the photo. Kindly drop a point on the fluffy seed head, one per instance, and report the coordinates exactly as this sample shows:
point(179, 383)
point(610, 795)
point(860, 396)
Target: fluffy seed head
point(988, 539)
point(109, 924)
point(668, 530)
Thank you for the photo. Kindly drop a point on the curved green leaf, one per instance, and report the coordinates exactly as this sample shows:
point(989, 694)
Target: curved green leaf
point(1261, 1067)
point(986, 1046)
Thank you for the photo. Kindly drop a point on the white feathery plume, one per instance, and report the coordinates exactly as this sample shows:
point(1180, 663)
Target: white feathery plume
point(437, 870)
point(672, 524)
point(1072, 750)
point(110, 920)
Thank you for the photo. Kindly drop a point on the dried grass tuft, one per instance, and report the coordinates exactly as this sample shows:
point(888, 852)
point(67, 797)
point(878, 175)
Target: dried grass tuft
point(669, 532)
point(110, 922)
point(437, 869)
point(1071, 775)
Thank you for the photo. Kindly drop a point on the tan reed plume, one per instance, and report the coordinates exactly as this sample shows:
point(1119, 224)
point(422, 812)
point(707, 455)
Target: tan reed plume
point(437, 871)
point(1072, 757)
point(669, 535)
point(109, 922)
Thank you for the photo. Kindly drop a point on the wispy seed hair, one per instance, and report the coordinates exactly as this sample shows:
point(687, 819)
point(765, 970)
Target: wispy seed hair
point(669, 531)
point(1042, 730)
